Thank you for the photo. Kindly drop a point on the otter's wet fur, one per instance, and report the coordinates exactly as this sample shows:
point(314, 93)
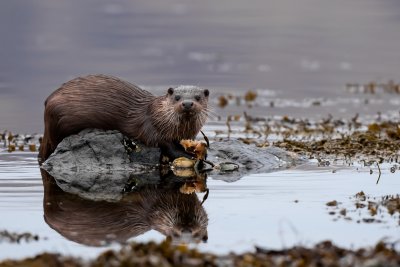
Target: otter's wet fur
point(109, 103)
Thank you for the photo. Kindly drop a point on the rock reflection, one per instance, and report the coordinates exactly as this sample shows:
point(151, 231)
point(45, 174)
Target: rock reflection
point(163, 208)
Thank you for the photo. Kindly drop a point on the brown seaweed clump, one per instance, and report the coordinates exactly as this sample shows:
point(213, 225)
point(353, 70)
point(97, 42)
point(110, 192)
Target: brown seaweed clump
point(42, 260)
point(353, 145)
point(165, 254)
point(381, 142)
point(329, 138)
point(392, 203)
point(373, 87)
point(375, 208)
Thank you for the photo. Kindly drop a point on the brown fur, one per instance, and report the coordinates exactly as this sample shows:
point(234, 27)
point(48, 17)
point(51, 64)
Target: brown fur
point(109, 103)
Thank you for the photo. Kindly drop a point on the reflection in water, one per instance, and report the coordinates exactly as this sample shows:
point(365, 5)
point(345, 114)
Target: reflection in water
point(97, 223)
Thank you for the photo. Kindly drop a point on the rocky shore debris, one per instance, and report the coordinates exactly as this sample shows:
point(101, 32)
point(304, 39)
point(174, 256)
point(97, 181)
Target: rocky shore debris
point(166, 254)
point(348, 139)
point(19, 142)
point(326, 139)
point(373, 87)
point(368, 209)
point(11, 237)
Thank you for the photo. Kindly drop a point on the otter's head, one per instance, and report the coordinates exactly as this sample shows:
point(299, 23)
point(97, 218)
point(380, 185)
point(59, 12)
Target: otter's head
point(189, 100)
point(181, 218)
point(180, 114)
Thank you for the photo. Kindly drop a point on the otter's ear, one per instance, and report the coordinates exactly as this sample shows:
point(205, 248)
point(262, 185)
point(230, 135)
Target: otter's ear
point(206, 92)
point(171, 91)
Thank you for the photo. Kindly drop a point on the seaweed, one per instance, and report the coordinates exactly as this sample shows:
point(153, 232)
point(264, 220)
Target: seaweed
point(166, 254)
point(389, 204)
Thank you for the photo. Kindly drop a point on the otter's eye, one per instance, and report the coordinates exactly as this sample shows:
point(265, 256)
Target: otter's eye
point(177, 97)
point(206, 92)
point(197, 97)
point(170, 91)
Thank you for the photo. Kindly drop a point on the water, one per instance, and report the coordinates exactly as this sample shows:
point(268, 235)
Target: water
point(274, 210)
point(299, 49)
point(293, 52)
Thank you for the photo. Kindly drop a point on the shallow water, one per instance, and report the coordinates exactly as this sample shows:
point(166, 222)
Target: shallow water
point(273, 210)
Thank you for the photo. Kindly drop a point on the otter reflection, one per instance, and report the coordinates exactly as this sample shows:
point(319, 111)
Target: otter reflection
point(96, 223)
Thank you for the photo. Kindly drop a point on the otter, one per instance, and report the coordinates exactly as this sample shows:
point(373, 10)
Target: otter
point(109, 103)
point(179, 217)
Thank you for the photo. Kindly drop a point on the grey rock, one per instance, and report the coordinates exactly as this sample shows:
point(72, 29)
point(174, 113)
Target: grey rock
point(99, 151)
point(251, 159)
point(97, 164)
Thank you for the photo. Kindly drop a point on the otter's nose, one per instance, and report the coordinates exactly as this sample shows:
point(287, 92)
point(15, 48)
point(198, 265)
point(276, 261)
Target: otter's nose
point(187, 104)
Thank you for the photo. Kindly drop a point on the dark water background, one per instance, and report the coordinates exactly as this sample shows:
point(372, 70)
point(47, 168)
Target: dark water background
point(299, 49)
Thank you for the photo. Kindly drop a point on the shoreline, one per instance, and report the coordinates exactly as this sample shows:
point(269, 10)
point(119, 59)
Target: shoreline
point(324, 253)
point(327, 141)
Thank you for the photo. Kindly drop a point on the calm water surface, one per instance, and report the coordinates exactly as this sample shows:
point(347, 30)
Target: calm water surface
point(299, 49)
point(274, 210)
point(292, 52)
